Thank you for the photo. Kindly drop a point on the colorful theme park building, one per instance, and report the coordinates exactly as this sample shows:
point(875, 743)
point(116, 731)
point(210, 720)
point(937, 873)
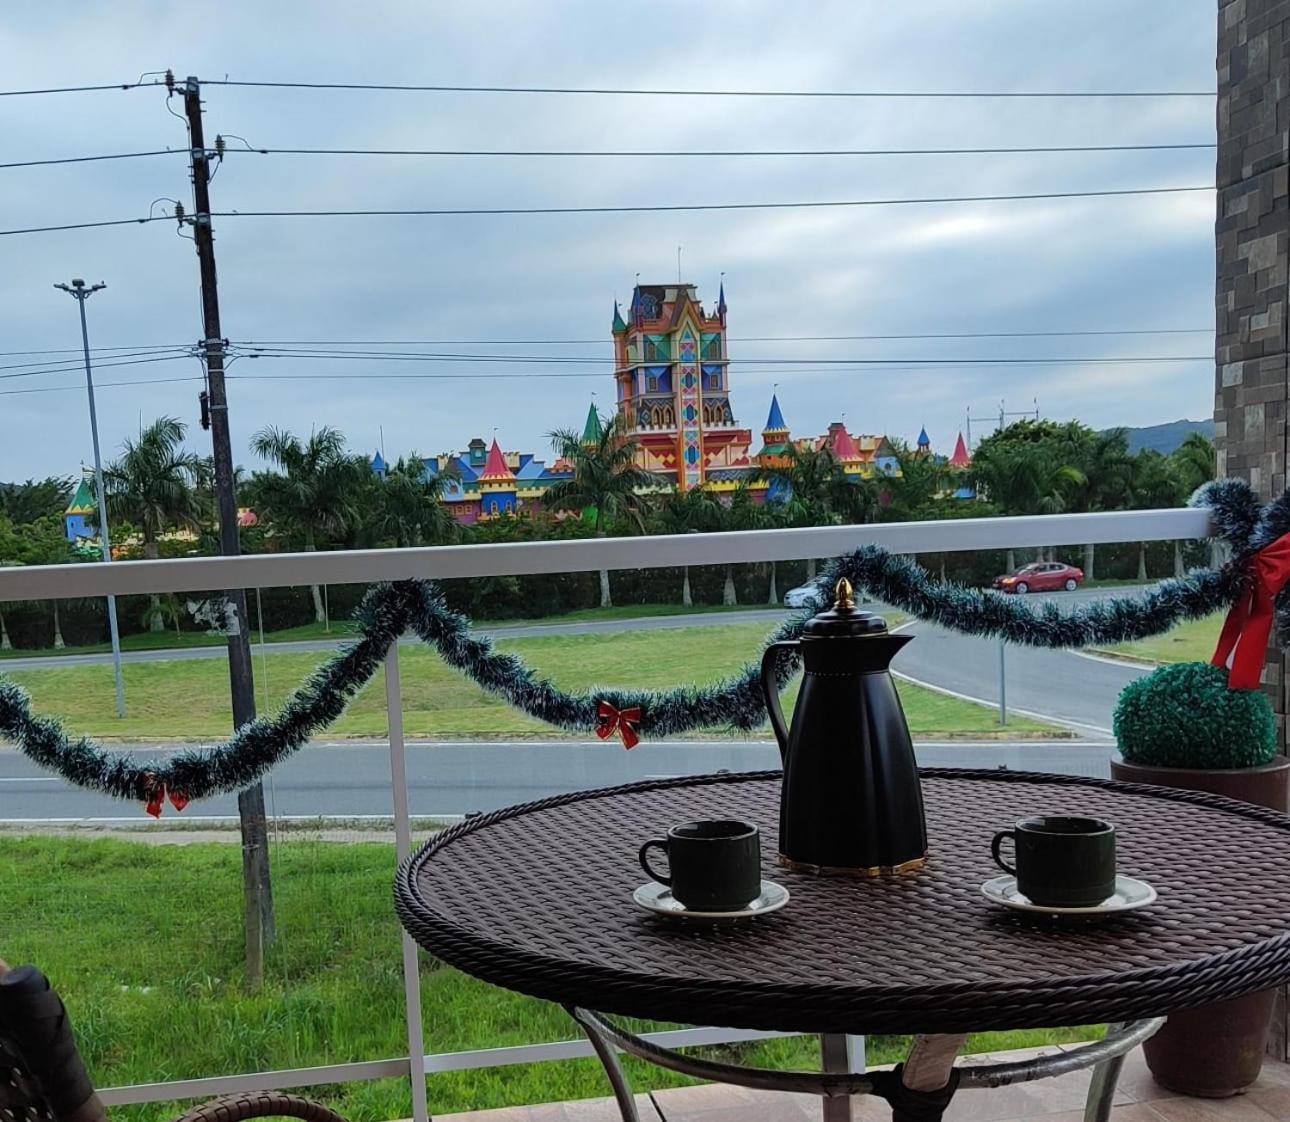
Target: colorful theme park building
point(672, 380)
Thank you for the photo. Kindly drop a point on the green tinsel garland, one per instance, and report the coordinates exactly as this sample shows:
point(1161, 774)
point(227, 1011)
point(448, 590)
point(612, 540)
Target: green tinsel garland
point(736, 703)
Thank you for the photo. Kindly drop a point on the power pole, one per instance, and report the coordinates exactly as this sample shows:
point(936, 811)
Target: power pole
point(80, 292)
point(256, 885)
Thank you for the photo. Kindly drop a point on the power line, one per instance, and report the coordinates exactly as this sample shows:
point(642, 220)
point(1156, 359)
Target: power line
point(91, 159)
point(606, 91)
point(652, 153)
point(176, 351)
point(138, 348)
point(78, 89)
point(598, 360)
point(103, 385)
point(98, 366)
point(649, 209)
point(733, 338)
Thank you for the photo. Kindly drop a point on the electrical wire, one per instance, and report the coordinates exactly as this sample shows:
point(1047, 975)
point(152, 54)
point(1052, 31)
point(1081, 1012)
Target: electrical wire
point(102, 385)
point(92, 159)
point(721, 153)
point(79, 89)
point(176, 352)
point(733, 338)
point(647, 209)
point(138, 348)
point(607, 91)
point(80, 367)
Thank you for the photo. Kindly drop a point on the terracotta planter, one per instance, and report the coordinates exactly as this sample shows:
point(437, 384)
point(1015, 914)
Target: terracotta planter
point(1216, 1050)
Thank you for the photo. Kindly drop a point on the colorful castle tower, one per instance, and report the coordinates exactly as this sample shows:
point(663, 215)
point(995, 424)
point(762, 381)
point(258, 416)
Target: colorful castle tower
point(497, 485)
point(671, 370)
point(80, 519)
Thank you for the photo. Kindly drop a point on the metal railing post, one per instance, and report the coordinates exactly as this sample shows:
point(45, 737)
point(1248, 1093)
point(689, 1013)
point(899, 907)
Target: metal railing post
point(1003, 683)
point(403, 847)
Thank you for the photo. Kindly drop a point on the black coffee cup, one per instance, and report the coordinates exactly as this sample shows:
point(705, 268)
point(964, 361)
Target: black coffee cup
point(1062, 861)
point(715, 864)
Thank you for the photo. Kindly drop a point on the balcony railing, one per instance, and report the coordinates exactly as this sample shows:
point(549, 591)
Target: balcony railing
point(473, 561)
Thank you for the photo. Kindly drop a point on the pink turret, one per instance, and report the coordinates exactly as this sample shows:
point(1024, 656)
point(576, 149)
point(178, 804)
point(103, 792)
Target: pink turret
point(962, 458)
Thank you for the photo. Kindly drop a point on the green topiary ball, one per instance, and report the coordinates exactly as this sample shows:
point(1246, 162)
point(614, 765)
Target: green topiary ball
point(1186, 715)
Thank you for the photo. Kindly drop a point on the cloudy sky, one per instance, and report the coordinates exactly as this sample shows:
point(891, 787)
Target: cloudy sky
point(518, 282)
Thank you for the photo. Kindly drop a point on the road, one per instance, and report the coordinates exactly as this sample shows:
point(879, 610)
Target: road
point(444, 780)
point(1065, 686)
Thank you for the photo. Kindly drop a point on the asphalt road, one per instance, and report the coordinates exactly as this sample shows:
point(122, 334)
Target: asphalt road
point(1065, 686)
point(353, 780)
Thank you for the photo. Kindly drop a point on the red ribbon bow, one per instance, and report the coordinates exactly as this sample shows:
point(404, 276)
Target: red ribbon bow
point(157, 796)
point(625, 722)
point(1244, 639)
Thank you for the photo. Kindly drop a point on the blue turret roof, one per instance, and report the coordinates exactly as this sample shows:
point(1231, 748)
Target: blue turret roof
point(924, 441)
point(378, 464)
point(775, 421)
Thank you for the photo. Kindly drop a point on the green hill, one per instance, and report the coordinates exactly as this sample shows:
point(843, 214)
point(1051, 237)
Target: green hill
point(1165, 438)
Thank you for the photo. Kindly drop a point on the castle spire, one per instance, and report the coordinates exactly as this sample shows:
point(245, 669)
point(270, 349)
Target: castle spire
point(592, 431)
point(721, 303)
point(620, 325)
point(924, 441)
point(962, 458)
point(495, 467)
point(775, 420)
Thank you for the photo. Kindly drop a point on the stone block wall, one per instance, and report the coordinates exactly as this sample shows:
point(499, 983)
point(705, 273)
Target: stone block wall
point(1251, 233)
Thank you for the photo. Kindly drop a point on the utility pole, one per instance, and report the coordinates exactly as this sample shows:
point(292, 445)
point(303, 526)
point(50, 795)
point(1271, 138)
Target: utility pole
point(256, 885)
point(80, 292)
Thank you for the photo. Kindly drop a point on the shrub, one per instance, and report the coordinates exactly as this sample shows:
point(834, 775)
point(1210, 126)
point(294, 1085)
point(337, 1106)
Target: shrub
point(1186, 715)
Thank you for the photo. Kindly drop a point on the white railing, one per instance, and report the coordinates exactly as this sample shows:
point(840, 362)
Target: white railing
point(445, 562)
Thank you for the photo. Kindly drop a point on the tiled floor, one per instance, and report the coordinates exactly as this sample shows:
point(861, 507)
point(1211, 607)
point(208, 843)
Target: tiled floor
point(1138, 1099)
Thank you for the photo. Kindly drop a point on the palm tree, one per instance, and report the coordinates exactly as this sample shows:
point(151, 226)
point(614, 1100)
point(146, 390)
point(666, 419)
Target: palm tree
point(152, 486)
point(606, 479)
point(687, 512)
point(1107, 468)
point(1195, 464)
point(314, 493)
point(1155, 484)
point(408, 506)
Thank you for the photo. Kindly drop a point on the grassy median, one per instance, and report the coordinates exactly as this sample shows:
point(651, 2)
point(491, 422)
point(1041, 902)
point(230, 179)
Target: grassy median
point(1193, 641)
point(144, 942)
point(188, 700)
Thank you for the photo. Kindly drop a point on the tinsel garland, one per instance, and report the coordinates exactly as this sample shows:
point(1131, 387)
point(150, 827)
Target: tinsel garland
point(736, 703)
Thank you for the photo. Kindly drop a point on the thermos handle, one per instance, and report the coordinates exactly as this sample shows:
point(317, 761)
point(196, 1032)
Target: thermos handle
point(770, 690)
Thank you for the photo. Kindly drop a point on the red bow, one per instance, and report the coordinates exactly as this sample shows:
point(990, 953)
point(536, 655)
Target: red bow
point(1244, 638)
point(626, 723)
point(157, 796)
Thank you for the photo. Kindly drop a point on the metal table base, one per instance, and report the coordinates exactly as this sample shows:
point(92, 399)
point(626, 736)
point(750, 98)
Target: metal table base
point(837, 1087)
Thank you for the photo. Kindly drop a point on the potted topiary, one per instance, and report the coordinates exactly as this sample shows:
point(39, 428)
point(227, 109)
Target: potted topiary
point(1184, 726)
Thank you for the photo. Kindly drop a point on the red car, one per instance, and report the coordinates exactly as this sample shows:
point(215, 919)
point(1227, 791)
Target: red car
point(1041, 576)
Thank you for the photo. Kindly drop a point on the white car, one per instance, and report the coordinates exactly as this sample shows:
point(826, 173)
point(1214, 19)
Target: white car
point(803, 596)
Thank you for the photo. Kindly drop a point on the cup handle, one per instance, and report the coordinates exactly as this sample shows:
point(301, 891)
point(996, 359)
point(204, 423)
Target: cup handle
point(653, 843)
point(997, 843)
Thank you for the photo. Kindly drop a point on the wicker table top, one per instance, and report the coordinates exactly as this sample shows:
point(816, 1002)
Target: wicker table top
point(537, 898)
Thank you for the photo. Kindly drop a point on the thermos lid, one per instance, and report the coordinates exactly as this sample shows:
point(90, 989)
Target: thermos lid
point(844, 618)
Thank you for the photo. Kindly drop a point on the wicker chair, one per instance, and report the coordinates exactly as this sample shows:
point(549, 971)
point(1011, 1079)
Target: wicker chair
point(42, 1077)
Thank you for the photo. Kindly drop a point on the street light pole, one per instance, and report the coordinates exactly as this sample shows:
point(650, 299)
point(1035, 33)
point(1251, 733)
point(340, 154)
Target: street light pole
point(81, 292)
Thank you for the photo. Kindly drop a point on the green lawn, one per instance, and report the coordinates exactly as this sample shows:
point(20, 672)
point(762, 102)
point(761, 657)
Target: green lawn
point(1193, 641)
point(189, 699)
point(144, 942)
point(339, 628)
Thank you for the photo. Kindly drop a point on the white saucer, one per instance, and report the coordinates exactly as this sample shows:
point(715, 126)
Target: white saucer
point(1130, 894)
point(658, 898)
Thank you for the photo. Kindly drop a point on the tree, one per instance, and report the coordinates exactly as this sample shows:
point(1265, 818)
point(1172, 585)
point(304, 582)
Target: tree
point(1104, 461)
point(314, 494)
point(152, 486)
point(687, 512)
point(408, 506)
point(1195, 464)
point(23, 503)
point(1155, 484)
point(606, 480)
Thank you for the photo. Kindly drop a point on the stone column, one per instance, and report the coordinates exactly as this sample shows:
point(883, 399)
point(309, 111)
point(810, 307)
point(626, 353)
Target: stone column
point(1252, 383)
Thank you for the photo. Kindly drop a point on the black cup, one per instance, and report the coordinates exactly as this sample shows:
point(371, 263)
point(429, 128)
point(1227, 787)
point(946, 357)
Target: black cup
point(715, 864)
point(1062, 861)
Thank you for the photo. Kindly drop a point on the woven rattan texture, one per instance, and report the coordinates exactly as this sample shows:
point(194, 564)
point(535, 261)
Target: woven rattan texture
point(538, 899)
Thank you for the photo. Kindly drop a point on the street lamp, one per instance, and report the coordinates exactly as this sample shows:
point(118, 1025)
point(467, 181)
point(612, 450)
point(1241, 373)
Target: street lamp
point(79, 291)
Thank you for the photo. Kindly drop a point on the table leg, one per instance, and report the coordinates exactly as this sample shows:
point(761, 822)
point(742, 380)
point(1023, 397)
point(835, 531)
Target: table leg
point(837, 1055)
point(1097, 1108)
point(617, 1077)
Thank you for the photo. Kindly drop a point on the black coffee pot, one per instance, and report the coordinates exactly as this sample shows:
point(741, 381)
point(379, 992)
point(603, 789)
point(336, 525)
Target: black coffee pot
point(852, 802)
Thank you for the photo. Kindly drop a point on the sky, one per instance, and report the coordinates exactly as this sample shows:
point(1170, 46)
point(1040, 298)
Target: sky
point(1076, 264)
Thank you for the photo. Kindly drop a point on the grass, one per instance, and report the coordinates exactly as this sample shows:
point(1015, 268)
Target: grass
point(189, 699)
point(1193, 641)
point(144, 943)
point(338, 629)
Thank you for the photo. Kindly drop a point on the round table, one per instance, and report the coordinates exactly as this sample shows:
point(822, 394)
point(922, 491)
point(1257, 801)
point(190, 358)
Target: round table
point(538, 899)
